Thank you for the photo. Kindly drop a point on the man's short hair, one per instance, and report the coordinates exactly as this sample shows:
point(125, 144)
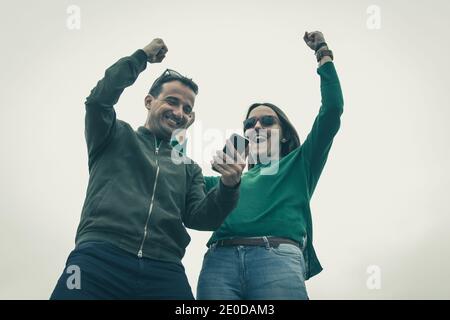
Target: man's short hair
point(169, 76)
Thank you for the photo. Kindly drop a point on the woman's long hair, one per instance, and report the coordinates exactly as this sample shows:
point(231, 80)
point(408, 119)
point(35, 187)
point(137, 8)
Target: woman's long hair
point(288, 130)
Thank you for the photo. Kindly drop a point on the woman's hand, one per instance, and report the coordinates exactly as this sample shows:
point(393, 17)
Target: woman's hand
point(316, 41)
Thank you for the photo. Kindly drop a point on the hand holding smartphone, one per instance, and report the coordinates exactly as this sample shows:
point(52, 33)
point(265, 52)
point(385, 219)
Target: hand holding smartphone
point(240, 145)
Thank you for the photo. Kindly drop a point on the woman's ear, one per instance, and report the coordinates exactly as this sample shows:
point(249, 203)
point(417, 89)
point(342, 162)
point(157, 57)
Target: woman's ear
point(147, 101)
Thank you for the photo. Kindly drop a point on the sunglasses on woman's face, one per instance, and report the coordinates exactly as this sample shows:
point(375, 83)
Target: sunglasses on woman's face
point(266, 121)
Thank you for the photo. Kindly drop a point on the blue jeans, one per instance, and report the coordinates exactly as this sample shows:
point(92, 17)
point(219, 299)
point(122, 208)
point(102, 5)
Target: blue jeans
point(108, 272)
point(252, 273)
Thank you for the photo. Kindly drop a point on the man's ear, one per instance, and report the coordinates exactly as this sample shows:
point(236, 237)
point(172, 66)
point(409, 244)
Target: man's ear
point(148, 100)
point(191, 120)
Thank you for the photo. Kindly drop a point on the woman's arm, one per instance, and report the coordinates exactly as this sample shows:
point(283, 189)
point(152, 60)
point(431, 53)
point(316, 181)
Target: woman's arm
point(317, 145)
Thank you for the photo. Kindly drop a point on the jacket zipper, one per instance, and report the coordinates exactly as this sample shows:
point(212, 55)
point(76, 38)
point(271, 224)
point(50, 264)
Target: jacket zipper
point(140, 252)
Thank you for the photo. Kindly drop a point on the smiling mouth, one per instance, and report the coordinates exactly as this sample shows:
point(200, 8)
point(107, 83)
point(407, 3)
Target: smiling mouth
point(259, 139)
point(172, 121)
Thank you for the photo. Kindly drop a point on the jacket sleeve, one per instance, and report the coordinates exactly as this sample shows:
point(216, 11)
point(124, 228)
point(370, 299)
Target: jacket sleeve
point(206, 210)
point(317, 145)
point(100, 119)
point(211, 182)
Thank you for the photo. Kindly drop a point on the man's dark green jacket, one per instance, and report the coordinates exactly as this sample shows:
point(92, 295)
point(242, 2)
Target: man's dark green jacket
point(138, 198)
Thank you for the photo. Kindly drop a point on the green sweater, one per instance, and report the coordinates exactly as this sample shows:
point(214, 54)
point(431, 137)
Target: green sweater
point(278, 205)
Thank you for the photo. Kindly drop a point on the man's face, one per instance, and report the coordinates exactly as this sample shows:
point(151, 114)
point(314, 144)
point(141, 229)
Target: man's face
point(170, 110)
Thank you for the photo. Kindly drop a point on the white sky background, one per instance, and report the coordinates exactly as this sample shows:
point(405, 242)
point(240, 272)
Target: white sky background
point(383, 197)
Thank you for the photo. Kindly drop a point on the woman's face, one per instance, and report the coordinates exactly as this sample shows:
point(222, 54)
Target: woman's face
point(264, 139)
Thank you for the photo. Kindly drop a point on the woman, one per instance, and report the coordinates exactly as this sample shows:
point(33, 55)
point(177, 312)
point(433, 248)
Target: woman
point(264, 249)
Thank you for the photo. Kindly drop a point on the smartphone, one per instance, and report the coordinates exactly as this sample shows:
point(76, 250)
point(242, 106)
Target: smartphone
point(240, 144)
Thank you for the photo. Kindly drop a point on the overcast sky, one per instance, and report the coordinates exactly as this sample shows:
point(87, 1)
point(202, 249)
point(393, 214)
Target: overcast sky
point(382, 201)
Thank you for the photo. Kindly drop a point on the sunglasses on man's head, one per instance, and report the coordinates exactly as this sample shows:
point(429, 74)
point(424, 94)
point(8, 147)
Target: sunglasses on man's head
point(266, 121)
point(171, 73)
point(166, 74)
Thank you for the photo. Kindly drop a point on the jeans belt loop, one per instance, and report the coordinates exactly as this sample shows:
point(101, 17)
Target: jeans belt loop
point(266, 241)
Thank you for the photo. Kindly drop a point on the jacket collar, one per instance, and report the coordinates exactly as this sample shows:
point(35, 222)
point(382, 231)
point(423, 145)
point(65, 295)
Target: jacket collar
point(149, 135)
point(143, 130)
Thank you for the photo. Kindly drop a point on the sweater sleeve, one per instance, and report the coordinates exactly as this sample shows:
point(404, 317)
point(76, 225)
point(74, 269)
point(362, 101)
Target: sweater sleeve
point(317, 145)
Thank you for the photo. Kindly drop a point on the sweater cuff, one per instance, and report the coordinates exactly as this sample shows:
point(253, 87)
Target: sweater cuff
point(328, 74)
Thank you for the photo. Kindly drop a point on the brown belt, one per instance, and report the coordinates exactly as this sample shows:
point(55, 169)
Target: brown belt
point(273, 242)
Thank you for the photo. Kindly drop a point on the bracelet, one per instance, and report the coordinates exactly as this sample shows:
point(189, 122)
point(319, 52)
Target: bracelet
point(323, 53)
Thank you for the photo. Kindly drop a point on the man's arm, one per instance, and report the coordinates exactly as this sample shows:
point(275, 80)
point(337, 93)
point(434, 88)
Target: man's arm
point(318, 143)
point(211, 182)
point(206, 210)
point(100, 117)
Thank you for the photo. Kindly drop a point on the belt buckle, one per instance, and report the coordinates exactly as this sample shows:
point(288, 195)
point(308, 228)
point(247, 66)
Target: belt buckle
point(273, 243)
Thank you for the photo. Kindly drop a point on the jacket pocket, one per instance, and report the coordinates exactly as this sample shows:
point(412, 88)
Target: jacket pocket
point(103, 195)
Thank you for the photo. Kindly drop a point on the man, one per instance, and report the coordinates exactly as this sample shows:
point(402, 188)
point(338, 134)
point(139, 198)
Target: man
point(132, 237)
